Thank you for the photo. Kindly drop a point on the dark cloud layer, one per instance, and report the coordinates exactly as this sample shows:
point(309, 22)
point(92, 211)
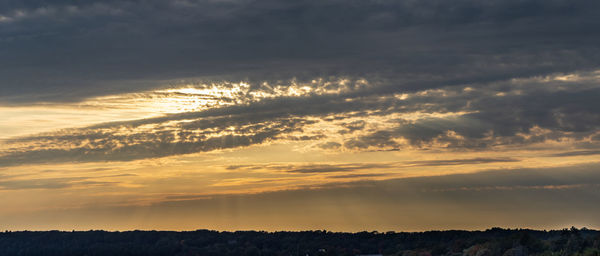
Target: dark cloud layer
point(66, 50)
point(489, 66)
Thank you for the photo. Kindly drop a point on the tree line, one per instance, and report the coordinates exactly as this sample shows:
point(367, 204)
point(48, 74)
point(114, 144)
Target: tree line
point(495, 241)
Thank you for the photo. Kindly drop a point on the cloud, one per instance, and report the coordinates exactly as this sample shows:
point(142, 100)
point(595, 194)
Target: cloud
point(98, 47)
point(479, 160)
point(453, 113)
point(90, 146)
point(497, 114)
point(326, 168)
point(364, 175)
point(329, 145)
point(314, 168)
point(215, 128)
point(341, 76)
point(353, 126)
point(50, 183)
point(353, 167)
point(577, 153)
point(507, 113)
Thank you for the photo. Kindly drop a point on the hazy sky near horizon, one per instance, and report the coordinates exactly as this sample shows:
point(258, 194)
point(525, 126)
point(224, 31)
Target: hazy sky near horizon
point(287, 115)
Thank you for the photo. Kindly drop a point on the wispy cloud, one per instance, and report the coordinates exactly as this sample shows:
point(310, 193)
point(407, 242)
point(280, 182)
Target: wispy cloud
point(364, 175)
point(51, 183)
point(353, 167)
point(576, 153)
point(461, 161)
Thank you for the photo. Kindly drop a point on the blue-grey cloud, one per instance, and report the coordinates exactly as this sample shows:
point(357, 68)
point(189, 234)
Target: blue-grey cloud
point(497, 120)
point(65, 50)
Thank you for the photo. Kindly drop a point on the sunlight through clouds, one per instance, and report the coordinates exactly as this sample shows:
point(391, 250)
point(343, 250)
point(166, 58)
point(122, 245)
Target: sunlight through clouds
point(198, 107)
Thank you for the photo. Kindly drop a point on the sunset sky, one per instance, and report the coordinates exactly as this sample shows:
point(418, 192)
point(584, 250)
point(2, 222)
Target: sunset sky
point(344, 115)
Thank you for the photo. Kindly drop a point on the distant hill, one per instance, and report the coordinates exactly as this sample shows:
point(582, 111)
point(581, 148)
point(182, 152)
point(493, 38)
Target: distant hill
point(495, 241)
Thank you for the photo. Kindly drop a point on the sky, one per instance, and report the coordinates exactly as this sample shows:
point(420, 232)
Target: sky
point(348, 115)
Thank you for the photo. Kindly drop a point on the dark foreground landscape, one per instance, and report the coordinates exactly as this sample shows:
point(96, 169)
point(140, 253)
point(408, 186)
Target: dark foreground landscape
point(495, 241)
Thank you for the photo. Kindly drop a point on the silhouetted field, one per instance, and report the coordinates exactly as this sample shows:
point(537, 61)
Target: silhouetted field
point(495, 241)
